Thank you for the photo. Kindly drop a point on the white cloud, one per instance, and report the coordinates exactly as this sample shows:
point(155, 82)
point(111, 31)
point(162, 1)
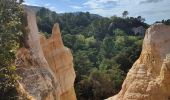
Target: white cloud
point(47, 5)
point(25, 3)
point(151, 11)
point(150, 1)
point(76, 7)
point(98, 4)
point(108, 7)
point(52, 8)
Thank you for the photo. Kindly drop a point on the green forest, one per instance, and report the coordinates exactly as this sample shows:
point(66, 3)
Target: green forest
point(103, 48)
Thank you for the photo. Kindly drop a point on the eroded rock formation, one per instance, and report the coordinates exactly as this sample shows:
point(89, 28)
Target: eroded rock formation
point(45, 65)
point(149, 78)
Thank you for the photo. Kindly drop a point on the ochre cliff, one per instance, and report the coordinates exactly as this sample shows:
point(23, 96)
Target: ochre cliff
point(149, 78)
point(44, 65)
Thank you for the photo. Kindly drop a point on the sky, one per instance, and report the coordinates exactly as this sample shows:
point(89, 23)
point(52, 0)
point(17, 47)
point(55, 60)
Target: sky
point(151, 10)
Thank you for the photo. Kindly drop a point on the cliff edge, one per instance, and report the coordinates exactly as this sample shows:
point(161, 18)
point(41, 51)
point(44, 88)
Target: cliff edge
point(149, 78)
point(44, 65)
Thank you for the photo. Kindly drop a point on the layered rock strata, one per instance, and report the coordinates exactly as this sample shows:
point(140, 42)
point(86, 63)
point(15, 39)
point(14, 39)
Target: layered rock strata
point(149, 78)
point(44, 65)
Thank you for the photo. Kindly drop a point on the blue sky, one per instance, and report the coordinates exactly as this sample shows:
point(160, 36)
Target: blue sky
point(151, 10)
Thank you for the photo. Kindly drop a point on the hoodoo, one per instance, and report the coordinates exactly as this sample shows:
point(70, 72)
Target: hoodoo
point(149, 78)
point(44, 65)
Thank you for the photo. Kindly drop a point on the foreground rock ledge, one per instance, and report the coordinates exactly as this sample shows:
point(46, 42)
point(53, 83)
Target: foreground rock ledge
point(149, 78)
point(45, 65)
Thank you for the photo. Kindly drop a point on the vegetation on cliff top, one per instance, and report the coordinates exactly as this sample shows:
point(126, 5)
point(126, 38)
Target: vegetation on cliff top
point(10, 23)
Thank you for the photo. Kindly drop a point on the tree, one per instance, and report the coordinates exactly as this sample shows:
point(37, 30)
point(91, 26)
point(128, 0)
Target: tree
point(10, 23)
point(100, 28)
point(125, 13)
point(108, 47)
point(97, 86)
point(166, 22)
point(141, 19)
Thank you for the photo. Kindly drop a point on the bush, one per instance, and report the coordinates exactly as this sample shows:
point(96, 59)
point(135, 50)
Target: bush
point(10, 24)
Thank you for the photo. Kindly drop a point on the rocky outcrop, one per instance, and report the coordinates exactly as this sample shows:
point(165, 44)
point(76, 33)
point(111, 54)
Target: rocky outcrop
point(44, 65)
point(139, 30)
point(149, 78)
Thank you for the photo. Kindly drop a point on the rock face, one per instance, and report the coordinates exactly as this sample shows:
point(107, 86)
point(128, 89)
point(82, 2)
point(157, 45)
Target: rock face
point(45, 65)
point(139, 30)
point(149, 78)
